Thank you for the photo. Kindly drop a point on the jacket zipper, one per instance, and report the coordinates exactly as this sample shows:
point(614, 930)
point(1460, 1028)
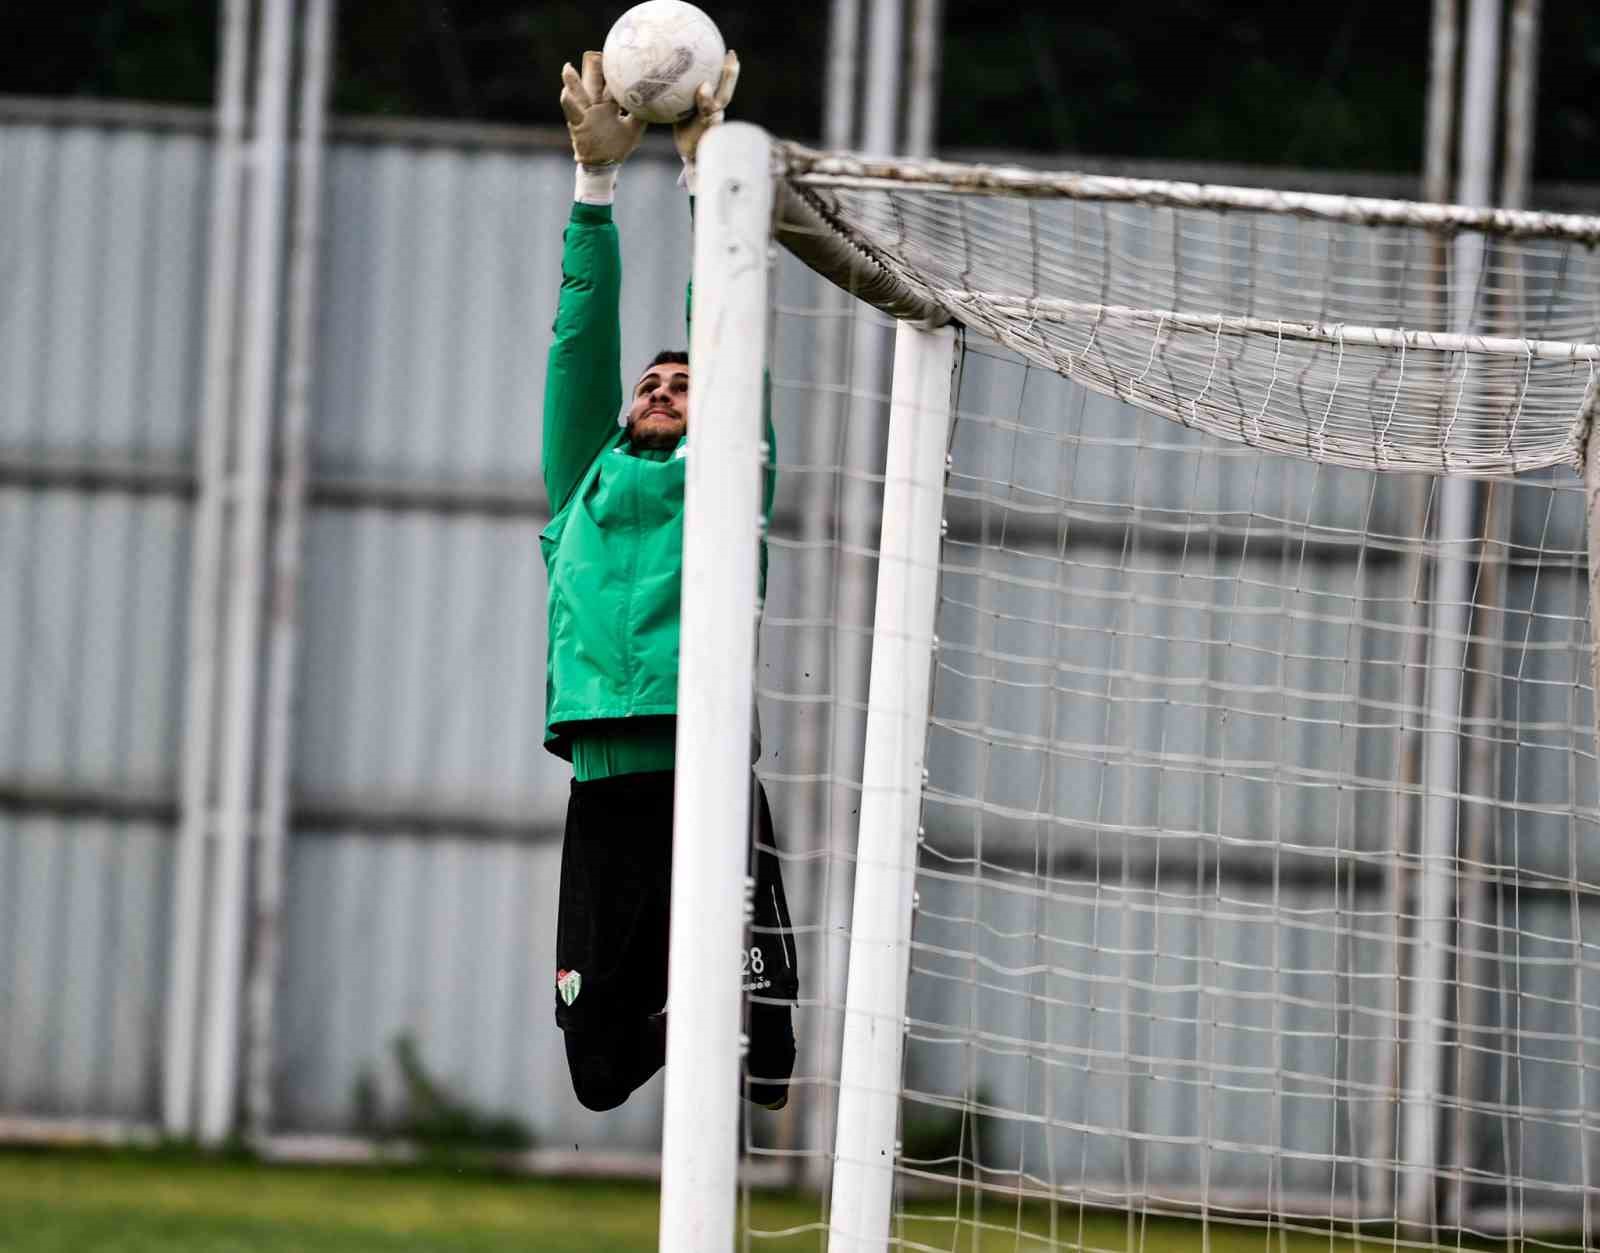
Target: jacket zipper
point(630, 637)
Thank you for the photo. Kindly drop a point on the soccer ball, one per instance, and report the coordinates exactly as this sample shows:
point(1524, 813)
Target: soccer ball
point(657, 54)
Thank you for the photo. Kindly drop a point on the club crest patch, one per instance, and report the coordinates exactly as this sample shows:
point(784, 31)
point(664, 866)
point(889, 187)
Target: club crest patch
point(569, 983)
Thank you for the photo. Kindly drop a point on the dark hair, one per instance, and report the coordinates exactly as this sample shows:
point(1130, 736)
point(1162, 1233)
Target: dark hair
point(670, 356)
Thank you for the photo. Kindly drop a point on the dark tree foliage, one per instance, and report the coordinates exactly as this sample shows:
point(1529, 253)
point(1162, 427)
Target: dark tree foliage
point(1248, 80)
point(1255, 81)
point(153, 50)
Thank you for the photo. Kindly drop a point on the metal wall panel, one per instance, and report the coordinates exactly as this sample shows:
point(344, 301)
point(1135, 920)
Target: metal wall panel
point(439, 285)
point(100, 311)
point(422, 680)
point(99, 320)
point(449, 941)
point(83, 941)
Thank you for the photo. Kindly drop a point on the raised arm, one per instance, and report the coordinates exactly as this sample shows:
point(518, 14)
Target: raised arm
point(583, 379)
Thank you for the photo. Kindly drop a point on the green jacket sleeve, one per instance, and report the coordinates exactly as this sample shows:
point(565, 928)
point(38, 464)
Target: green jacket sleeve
point(583, 380)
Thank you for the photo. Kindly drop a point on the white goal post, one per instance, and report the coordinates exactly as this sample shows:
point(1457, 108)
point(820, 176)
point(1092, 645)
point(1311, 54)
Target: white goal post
point(722, 519)
point(891, 793)
point(1273, 735)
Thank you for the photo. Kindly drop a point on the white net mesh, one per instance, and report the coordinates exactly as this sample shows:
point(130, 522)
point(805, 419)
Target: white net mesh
point(1186, 959)
point(1369, 333)
point(1171, 941)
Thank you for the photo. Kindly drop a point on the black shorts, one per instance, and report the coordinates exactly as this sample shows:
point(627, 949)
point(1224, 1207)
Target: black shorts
point(616, 881)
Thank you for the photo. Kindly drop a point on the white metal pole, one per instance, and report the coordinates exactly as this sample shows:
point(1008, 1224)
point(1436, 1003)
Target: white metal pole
point(1387, 1122)
point(822, 810)
point(1521, 102)
point(861, 455)
point(283, 592)
point(880, 106)
point(716, 669)
point(839, 94)
point(235, 818)
point(891, 790)
point(1479, 968)
point(1452, 600)
point(810, 810)
point(1591, 483)
point(922, 93)
point(188, 914)
point(1441, 111)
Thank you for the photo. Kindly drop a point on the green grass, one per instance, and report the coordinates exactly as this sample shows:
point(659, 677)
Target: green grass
point(92, 1202)
point(127, 1203)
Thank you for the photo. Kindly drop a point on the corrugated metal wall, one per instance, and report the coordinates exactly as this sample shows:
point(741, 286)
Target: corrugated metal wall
point(425, 841)
point(99, 326)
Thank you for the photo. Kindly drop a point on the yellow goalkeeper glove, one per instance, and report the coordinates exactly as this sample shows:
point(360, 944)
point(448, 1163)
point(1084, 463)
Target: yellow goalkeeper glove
point(601, 133)
point(709, 106)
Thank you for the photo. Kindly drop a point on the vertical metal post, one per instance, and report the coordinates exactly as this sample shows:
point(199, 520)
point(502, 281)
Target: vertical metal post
point(1522, 89)
point(1452, 602)
point(1441, 100)
point(880, 107)
point(189, 875)
point(716, 669)
point(1383, 1145)
point(1480, 967)
point(891, 791)
point(1591, 484)
point(813, 809)
point(857, 505)
point(922, 93)
point(236, 814)
point(839, 93)
point(283, 629)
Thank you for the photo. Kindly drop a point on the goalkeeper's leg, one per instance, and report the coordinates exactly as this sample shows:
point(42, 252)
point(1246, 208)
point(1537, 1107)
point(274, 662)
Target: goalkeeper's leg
point(770, 1062)
point(611, 934)
point(609, 1061)
point(611, 944)
point(771, 976)
point(608, 1064)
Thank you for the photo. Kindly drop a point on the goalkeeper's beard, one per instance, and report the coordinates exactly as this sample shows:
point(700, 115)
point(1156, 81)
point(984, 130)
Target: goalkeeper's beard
point(655, 432)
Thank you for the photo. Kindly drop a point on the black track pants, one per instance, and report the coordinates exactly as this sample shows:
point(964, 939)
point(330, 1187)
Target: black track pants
point(611, 943)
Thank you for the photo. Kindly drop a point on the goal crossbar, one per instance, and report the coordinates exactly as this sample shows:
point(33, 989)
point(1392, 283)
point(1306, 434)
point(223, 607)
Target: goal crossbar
point(807, 167)
point(1374, 333)
point(1043, 308)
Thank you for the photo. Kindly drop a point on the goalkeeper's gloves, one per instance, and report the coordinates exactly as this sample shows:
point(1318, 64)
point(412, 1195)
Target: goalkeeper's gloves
point(709, 105)
point(602, 135)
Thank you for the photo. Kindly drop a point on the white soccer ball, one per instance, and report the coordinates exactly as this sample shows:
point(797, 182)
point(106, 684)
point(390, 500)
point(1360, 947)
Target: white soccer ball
point(656, 56)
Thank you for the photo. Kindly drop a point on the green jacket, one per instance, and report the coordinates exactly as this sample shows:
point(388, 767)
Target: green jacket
point(613, 549)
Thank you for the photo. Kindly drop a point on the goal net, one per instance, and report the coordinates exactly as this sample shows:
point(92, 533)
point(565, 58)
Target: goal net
point(1226, 859)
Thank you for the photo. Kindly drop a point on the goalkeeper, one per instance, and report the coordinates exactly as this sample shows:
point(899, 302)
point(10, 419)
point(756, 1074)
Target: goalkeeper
point(613, 552)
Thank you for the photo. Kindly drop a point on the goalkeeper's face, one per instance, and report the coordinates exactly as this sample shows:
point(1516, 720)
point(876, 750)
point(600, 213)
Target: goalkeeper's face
point(658, 415)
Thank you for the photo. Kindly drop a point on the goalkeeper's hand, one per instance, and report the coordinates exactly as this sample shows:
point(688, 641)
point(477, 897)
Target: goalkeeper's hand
point(709, 105)
point(602, 135)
